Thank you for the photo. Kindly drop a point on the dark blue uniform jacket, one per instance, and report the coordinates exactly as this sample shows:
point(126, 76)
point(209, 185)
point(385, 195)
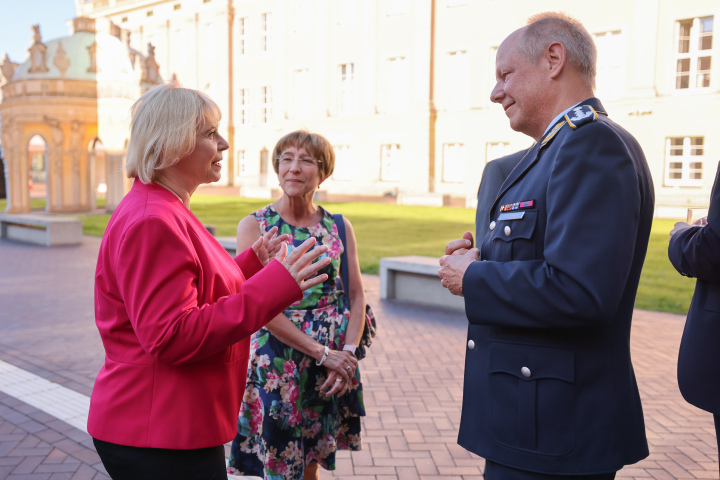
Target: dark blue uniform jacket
point(695, 252)
point(549, 385)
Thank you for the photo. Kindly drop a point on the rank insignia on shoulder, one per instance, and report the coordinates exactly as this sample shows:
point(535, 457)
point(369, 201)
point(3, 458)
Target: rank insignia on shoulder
point(517, 206)
point(580, 115)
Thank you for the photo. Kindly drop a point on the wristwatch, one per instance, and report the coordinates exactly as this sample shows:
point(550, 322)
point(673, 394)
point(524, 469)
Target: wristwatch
point(350, 348)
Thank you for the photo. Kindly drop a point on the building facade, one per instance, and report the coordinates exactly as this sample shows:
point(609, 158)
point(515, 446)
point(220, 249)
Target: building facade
point(401, 88)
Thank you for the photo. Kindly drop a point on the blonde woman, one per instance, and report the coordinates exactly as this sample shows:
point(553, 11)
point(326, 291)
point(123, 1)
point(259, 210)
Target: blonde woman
point(174, 310)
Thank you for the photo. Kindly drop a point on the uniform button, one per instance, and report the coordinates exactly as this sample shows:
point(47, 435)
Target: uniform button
point(525, 371)
point(471, 345)
point(507, 231)
point(492, 225)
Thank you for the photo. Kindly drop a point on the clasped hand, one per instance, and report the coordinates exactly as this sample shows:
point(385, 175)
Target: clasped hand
point(339, 375)
point(459, 254)
point(299, 263)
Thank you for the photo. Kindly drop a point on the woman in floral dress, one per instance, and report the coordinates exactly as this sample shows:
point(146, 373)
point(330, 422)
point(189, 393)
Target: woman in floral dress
point(303, 399)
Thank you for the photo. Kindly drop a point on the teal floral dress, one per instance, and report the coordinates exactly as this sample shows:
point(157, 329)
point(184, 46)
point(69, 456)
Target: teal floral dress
point(285, 423)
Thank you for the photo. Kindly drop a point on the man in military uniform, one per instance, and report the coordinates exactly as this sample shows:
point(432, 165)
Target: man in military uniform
point(549, 385)
point(493, 176)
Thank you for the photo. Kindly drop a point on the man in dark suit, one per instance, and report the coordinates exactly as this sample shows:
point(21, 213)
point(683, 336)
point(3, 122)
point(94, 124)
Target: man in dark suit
point(695, 252)
point(549, 386)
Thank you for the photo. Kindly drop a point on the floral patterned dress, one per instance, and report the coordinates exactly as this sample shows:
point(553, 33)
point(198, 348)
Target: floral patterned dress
point(285, 423)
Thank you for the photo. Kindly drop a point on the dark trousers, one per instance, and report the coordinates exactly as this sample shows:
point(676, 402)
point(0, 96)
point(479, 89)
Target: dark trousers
point(133, 463)
point(495, 471)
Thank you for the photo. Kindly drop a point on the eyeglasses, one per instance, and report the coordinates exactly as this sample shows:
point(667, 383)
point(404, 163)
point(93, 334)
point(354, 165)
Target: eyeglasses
point(304, 161)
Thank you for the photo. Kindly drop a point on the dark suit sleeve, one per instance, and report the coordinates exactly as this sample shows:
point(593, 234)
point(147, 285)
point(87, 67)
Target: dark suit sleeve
point(695, 252)
point(593, 203)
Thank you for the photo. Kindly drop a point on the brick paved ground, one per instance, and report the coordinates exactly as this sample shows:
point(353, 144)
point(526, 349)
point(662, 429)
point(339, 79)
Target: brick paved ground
point(413, 382)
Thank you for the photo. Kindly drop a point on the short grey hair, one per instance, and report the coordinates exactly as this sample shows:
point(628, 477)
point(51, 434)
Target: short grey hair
point(165, 122)
point(546, 28)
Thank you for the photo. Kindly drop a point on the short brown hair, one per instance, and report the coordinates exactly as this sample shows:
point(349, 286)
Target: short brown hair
point(546, 28)
point(165, 122)
point(313, 143)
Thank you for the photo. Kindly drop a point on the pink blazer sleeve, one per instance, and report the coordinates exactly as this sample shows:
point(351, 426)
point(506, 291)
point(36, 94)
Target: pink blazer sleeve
point(249, 262)
point(158, 278)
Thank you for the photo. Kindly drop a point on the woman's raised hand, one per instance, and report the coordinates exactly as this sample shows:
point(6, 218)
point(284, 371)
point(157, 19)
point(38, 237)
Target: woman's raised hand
point(268, 245)
point(299, 263)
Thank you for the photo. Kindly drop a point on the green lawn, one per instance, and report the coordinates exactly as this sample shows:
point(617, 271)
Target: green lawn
point(386, 230)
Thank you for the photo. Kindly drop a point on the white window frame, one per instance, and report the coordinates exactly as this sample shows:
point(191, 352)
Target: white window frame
point(693, 55)
point(397, 7)
point(397, 85)
point(266, 92)
point(390, 162)
point(343, 157)
point(494, 150)
point(243, 106)
point(303, 93)
point(454, 167)
point(458, 80)
point(347, 11)
point(610, 76)
point(691, 155)
point(242, 36)
point(303, 15)
point(346, 102)
point(266, 29)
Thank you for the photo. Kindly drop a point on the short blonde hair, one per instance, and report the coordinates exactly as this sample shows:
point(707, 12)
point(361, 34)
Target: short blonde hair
point(315, 144)
point(165, 122)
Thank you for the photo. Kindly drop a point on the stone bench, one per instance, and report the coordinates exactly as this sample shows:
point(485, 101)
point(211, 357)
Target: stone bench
point(229, 244)
point(41, 229)
point(415, 279)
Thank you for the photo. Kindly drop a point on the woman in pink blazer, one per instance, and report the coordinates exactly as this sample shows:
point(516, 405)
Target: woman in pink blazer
point(174, 310)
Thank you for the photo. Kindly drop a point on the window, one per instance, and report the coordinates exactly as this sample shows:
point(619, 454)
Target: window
point(177, 6)
point(303, 15)
point(347, 11)
point(267, 104)
point(266, 32)
point(684, 161)
point(303, 93)
point(124, 19)
point(242, 103)
point(390, 163)
point(149, 13)
point(693, 53)
point(458, 80)
point(242, 37)
point(454, 163)
point(610, 78)
point(397, 85)
point(346, 89)
point(343, 163)
point(208, 43)
point(492, 57)
point(397, 7)
point(495, 150)
point(242, 166)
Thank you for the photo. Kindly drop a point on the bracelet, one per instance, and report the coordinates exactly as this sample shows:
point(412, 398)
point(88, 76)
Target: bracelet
point(324, 357)
point(350, 348)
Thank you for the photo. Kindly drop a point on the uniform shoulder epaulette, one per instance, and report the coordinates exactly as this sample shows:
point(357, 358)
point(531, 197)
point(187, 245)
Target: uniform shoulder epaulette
point(581, 115)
